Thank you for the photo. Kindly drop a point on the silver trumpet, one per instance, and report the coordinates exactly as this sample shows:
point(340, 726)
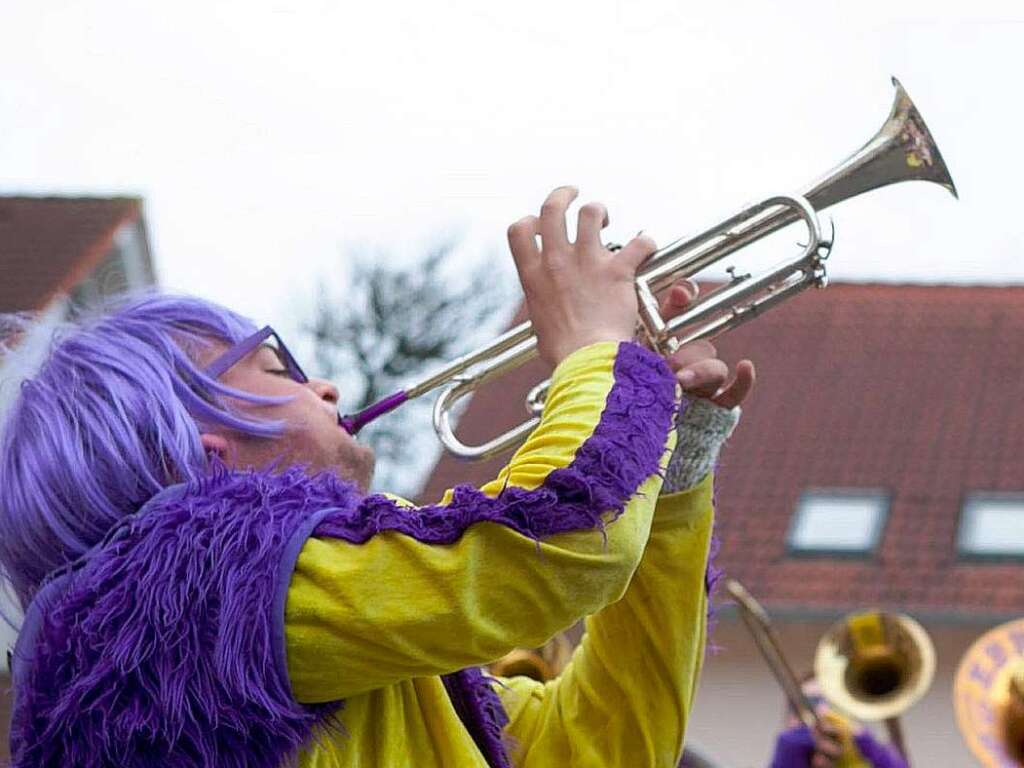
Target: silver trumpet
point(902, 150)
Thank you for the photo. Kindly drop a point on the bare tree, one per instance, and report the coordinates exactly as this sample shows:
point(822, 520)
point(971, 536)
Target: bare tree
point(394, 324)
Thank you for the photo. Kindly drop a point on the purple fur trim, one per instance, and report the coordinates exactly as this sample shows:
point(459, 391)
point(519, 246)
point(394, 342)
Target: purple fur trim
point(160, 648)
point(712, 575)
point(624, 450)
point(480, 710)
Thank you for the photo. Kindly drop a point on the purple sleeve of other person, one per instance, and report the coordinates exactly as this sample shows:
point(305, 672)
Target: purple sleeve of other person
point(795, 748)
point(877, 754)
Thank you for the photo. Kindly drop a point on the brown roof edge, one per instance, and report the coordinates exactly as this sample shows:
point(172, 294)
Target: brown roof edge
point(789, 612)
point(91, 257)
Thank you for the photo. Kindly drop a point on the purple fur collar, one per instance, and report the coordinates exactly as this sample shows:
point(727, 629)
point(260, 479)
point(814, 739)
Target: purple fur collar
point(161, 647)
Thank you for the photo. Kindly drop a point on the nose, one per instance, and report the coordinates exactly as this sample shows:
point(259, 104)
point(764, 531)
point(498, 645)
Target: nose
point(325, 390)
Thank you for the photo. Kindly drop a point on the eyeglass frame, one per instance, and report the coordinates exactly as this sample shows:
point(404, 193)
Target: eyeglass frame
point(236, 352)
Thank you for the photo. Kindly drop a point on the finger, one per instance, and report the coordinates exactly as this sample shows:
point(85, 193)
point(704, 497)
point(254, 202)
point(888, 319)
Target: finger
point(703, 379)
point(829, 748)
point(822, 761)
point(553, 234)
point(593, 217)
point(677, 298)
point(736, 391)
point(635, 252)
point(522, 241)
point(691, 353)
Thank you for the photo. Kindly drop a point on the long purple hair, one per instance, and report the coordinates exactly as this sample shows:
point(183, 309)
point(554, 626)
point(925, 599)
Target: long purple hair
point(112, 415)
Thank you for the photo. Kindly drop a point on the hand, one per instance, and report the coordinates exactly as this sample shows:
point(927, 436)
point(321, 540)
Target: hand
point(800, 747)
point(699, 371)
point(828, 740)
point(576, 293)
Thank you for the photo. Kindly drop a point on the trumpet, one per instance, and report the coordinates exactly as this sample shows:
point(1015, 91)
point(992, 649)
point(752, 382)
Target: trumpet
point(901, 150)
point(871, 665)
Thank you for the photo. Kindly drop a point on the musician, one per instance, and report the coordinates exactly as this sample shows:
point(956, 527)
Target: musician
point(207, 581)
point(836, 742)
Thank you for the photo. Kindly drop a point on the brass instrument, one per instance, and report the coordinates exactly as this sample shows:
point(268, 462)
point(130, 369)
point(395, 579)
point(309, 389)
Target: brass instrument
point(767, 642)
point(988, 695)
point(870, 666)
point(541, 664)
point(874, 666)
point(902, 150)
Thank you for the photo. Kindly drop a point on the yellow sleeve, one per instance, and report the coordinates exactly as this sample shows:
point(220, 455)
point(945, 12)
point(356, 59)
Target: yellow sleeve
point(362, 616)
point(625, 698)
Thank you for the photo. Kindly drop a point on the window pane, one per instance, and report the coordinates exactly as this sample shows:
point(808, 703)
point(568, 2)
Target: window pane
point(993, 524)
point(838, 521)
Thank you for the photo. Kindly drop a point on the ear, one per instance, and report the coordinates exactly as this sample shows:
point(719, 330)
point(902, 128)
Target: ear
point(215, 444)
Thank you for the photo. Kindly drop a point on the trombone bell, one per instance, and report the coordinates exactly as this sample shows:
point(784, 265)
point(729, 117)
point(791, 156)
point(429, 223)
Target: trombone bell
point(875, 665)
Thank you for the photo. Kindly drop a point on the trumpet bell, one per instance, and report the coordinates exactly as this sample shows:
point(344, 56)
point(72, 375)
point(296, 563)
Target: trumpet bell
point(988, 695)
point(874, 665)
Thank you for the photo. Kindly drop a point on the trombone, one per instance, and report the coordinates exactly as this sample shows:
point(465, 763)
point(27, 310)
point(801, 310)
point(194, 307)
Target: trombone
point(870, 665)
point(901, 150)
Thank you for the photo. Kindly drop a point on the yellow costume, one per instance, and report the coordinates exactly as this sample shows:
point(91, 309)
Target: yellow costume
point(376, 623)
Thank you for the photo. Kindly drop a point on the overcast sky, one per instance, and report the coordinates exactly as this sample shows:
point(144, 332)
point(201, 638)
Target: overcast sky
point(269, 139)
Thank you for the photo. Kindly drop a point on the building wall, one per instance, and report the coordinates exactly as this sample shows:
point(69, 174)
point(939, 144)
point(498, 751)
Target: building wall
point(739, 708)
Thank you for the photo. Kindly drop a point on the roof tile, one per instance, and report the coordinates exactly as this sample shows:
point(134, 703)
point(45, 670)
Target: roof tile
point(48, 244)
point(908, 388)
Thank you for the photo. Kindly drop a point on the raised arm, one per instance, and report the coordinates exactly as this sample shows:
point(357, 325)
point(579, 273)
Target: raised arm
point(625, 698)
point(388, 591)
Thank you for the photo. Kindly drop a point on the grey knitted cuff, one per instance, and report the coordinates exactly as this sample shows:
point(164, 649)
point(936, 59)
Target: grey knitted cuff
point(701, 428)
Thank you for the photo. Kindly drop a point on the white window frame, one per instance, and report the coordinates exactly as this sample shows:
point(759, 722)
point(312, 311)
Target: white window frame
point(968, 524)
point(876, 496)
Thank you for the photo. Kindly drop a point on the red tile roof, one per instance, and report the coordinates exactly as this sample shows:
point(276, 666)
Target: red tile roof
point(49, 244)
point(913, 389)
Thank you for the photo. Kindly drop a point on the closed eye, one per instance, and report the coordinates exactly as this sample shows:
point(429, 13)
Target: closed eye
point(280, 372)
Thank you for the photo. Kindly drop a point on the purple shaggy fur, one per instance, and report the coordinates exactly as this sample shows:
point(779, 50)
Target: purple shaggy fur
point(480, 710)
point(165, 647)
point(161, 649)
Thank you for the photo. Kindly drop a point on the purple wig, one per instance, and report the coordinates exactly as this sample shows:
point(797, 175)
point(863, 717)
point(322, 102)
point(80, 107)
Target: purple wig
point(111, 416)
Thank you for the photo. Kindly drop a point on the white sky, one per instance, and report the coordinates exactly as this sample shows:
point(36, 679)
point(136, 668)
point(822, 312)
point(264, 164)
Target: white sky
point(271, 138)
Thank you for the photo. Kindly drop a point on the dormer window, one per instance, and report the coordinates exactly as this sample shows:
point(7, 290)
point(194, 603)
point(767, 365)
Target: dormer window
point(992, 525)
point(838, 521)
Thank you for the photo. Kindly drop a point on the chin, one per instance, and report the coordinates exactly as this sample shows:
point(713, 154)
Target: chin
point(356, 467)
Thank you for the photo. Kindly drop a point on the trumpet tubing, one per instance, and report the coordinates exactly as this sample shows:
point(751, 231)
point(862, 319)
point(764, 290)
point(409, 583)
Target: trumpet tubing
point(902, 150)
